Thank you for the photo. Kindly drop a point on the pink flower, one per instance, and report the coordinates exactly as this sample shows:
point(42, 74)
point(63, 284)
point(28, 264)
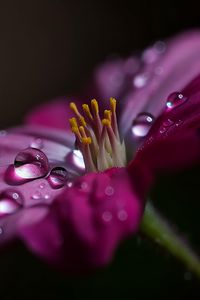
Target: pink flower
point(75, 220)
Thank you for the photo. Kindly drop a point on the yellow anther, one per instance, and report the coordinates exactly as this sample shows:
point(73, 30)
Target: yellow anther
point(82, 120)
point(106, 122)
point(113, 103)
point(95, 106)
point(87, 111)
point(86, 140)
point(73, 122)
point(107, 114)
point(74, 108)
point(76, 131)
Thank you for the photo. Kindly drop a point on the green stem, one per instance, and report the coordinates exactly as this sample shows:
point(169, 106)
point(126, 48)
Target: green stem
point(156, 228)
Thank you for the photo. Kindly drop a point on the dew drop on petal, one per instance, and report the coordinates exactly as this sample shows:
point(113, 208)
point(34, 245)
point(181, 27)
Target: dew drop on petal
point(31, 163)
point(160, 46)
point(42, 185)
point(142, 124)
point(168, 123)
point(109, 191)
point(140, 80)
point(106, 216)
point(122, 215)
point(10, 202)
point(84, 186)
point(37, 195)
point(37, 143)
point(69, 183)
point(58, 177)
point(175, 99)
point(3, 133)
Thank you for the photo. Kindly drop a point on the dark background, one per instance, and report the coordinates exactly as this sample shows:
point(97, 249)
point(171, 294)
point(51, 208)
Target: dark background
point(49, 48)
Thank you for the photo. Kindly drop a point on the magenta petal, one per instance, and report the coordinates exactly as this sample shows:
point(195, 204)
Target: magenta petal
point(174, 141)
point(54, 114)
point(171, 71)
point(27, 157)
point(87, 222)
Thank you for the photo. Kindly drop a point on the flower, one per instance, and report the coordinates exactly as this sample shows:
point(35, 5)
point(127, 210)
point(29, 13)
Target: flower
point(75, 220)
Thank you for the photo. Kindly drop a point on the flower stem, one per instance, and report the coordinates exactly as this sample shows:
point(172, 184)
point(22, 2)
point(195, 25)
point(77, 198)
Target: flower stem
point(156, 228)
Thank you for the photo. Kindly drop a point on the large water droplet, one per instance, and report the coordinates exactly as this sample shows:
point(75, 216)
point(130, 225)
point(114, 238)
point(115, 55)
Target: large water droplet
point(58, 177)
point(31, 163)
point(10, 202)
point(142, 124)
point(75, 161)
point(175, 99)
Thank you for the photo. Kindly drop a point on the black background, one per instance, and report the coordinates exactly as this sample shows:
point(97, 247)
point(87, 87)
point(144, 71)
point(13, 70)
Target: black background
point(49, 48)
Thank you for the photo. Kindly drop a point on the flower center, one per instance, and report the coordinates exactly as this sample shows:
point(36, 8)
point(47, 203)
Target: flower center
point(98, 138)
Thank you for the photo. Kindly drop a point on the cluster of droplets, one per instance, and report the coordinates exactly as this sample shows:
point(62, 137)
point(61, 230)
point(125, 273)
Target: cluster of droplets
point(30, 164)
point(144, 121)
point(107, 216)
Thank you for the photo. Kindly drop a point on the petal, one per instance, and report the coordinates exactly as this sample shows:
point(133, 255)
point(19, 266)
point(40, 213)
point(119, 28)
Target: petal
point(174, 141)
point(25, 200)
point(54, 114)
point(170, 71)
point(87, 222)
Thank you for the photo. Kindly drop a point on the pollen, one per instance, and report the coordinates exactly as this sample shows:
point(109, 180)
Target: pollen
point(97, 136)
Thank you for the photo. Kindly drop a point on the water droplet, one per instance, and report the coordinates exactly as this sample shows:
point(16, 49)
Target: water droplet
point(162, 129)
point(42, 185)
point(109, 191)
point(140, 80)
point(175, 99)
point(75, 161)
point(36, 196)
point(31, 163)
point(58, 177)
point(37, 143)
point(142, 124)
point(84, 186)
point(69, 183)
point(168, 123)
point(47, 196)
point(10, 202)
point(3, 133)
point(187, 276)
point(160, 47)
point(1, 230)
point(179, 122)
point(107, 216)
point(122, 215)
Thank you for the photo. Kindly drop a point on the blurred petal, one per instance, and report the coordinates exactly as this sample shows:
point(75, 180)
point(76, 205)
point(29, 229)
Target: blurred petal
point(54, 114)
point(171, 71)
point(87, 222)
point(174, 140)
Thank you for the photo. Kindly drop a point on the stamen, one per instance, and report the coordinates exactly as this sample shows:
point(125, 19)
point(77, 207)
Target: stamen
point(95, 106)
point(87, 111)
point(97, 139)
point(77, 113)
point(113, 104)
